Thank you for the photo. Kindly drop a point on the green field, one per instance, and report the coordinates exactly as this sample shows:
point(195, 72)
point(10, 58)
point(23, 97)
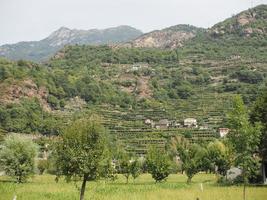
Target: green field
point(44, 187)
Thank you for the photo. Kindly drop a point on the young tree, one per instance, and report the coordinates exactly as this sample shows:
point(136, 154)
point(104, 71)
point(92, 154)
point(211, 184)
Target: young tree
point(219, 157)
point(191, 157)
point(244, 138)
point(108, 170)
point(17, 157)
point(177, 143)
point(125, 166)
point(158, 164)
point(80, 150)
point(135, 168)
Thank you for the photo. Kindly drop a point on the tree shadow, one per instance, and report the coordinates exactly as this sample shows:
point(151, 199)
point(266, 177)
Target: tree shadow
point(7, 181)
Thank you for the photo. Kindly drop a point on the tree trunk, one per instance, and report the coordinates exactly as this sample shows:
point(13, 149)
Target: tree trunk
point(245, 179)
point(244, 191)
point(189, 180)
point(83, 186)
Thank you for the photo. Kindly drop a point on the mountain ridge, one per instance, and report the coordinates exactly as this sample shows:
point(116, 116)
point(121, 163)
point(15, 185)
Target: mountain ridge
point(170, 37)
point(45, 48)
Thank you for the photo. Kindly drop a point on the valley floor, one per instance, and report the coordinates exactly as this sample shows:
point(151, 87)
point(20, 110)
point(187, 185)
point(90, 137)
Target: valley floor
point(44, 187)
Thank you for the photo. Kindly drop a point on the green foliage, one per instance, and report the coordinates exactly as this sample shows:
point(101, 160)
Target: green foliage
point(219, 156)
point(192, 158)
point(244, 138)
point(42, 165)
point(125, 166)
point(135, 168)
point(81, 150)
point(158, 164)
point(80, 140)
point(28, 117)
point(247, 76)
point(259, 114)
point(17, 157)
point(53, 101)
point(108, 170)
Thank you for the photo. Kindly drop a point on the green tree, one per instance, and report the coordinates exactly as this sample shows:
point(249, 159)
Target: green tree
point(135, 168)
point(192, 159)
point(80, 151)
point(219, 157)
point(244, 138)
point(108, 170)
point(176, 144)
point(17, 157)
point(259, 114)
point(158, 164)
point(125, 166)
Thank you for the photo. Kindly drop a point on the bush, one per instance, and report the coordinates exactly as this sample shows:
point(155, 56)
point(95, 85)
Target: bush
point(158, 164)
point(42, 166)
point(53, 101)
point(17, 157)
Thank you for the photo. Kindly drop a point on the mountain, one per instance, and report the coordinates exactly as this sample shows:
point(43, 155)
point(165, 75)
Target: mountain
point(43, 49)
point(249, 23)
point(243, 36)
point(171, 37)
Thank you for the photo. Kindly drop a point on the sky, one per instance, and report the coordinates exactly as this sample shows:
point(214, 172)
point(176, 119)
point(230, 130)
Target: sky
point(28, 20)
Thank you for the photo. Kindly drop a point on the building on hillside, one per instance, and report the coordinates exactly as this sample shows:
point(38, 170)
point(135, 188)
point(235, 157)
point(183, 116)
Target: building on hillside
point(148, 121)
point(223, 131)
point(190, 123)
point(162, 124)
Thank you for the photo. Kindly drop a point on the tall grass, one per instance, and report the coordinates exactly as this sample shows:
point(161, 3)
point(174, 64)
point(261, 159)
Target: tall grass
point(144, 188)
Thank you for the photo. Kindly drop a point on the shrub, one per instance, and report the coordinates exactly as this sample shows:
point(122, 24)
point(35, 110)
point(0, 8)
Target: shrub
point(42, 166)
point(17, 157)
point(158, 164)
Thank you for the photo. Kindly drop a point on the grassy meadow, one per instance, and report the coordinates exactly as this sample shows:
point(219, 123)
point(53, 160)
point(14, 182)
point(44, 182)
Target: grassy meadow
point(45, 187)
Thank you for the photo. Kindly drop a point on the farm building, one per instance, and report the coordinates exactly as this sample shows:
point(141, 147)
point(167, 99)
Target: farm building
point(190, 122)
point(148, 121)
point(162, 124)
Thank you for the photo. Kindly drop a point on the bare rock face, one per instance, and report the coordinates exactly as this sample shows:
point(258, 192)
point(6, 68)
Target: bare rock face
point(245, 24)
point(25, 89)
point(172, 37)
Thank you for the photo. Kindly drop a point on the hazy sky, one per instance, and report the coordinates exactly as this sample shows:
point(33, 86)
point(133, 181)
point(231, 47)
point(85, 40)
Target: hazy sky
point(24, 20)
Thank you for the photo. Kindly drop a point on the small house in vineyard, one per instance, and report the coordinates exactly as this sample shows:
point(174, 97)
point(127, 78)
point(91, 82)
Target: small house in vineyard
point(162, 124)
point(190, 123)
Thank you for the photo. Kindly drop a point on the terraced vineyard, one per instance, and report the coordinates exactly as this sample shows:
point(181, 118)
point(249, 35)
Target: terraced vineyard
point(129, 128)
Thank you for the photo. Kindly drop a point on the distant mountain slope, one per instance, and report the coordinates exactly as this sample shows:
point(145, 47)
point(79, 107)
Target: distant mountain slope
point(171, 37)
point(243, 36)
point(249, 23)
point(43, 49)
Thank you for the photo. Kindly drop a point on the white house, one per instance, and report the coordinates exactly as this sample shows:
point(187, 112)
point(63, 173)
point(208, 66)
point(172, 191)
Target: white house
point(190, 122)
